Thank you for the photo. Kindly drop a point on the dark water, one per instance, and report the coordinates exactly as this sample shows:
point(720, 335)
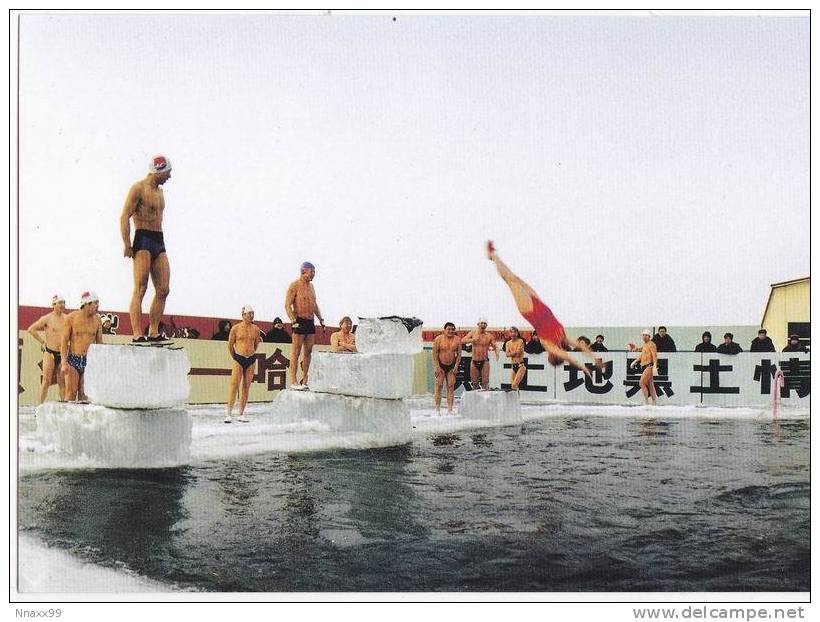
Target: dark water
point(563, 504)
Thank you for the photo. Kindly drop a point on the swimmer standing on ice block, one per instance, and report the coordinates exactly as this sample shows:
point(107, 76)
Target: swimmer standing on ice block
point(550, 331)
point(301, 307)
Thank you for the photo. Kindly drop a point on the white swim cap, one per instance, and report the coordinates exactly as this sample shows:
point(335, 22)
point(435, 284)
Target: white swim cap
point(646, 332)
point(57, 298)
point(482, 320)
point(159, 164)
point(88, 297)
point(247, 309)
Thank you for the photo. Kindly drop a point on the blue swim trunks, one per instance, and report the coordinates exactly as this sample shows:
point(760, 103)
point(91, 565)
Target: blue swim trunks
point(151, 241)
point(78, 361)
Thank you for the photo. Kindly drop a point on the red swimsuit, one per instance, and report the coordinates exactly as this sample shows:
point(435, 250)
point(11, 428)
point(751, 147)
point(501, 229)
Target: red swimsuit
point(545, 323)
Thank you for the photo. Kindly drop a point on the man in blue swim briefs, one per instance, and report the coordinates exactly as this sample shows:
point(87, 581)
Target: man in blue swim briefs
point(82, 328)
point(51, 325)
point(145, 204)
point(301, 307)
point(242, 343)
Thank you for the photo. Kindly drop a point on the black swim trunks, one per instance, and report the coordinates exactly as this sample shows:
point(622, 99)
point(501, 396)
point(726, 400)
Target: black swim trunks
point(303, 326)
point(643, 367)
point(151, 241)
point(446, 368)
point(517, 366)
point(56, 355)
point(479, 365)
point(244, 361)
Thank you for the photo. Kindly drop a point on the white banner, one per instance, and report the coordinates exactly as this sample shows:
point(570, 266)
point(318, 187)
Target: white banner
point(745, 379)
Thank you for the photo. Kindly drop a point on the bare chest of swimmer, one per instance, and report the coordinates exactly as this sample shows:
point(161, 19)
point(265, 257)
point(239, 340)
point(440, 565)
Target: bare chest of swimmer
point(247, 334)
point(482, 341)
point(451, 345)
point(305, 297)
point(84, 329)
point(54, 326)
point(150, 207)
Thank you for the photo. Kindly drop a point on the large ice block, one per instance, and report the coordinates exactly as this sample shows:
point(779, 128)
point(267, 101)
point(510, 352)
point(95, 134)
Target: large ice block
point(387, 420)
point(393, 335)
point(492, 406)
point(136, 376)
point(386, 376)
point(117, 438)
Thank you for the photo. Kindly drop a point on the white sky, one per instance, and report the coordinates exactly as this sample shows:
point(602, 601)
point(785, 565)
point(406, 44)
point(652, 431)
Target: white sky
point(634, 170)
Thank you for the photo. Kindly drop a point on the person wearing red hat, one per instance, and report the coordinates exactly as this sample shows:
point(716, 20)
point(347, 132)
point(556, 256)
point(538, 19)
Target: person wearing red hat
point(82, 328)
point(52, 327)
point(145, 204)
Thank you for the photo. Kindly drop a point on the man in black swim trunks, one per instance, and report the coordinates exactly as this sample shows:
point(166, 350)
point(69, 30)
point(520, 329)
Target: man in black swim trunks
point(446, 358)
point(52, 327)
point(242, 343)
point(145, 204)
point(301, 307)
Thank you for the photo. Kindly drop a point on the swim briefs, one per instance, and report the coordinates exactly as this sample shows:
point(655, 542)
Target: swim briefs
point(78, 362)
point(244, 361)
point(303, 326)
point(151, 241)
point(55, 354)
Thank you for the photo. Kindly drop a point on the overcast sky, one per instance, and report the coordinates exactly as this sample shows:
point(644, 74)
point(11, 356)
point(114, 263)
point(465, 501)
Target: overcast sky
point(634, 170)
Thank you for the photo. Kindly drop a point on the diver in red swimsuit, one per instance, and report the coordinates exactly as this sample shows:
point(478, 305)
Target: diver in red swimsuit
point(550, 331)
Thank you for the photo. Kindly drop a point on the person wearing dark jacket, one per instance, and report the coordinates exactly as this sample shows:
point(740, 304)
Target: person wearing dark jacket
point(223, 332)
point(599, 346)
point(663, 342)
point(762, 343)
point(533, 346)
point(728, 346)
point(585, 341)
point(795, 345)
point(277, 334)
point(706, 344)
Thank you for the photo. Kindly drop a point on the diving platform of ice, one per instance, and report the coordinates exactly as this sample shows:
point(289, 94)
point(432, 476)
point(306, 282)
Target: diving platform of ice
point(389, 335)
point(117, 438)
point(493, 406)
point(385, 376)
point(124, 376)
point(387, 420)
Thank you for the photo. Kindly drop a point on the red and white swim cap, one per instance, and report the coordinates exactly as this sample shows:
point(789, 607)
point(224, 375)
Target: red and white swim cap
point(57, 298)
point(159, 164)
point(87, 297)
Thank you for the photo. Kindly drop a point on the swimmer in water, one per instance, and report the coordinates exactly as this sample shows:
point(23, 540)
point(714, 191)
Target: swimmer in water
point(550, 331)
point(242, 343)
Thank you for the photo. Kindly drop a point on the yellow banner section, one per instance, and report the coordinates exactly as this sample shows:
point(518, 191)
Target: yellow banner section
point(210, 369)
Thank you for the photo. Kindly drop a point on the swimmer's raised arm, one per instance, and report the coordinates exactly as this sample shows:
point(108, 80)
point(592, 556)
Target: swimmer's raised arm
point(468, 338)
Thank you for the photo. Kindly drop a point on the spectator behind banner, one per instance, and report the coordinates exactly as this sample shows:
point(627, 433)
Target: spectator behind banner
point(795, 345)
point(106, 324)
point(663, 342)
point(277, 334)
point(584, 340)
point(728, 346)
point(533, 346)
point(599, 346)
point(223, 332)
point(762, 343)
point(706, 344)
